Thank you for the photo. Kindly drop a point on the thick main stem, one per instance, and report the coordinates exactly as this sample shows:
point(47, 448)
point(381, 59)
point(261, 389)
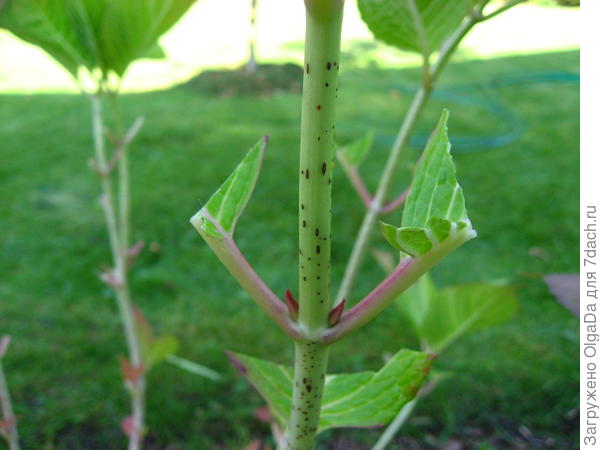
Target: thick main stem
point(408, 125)
point(8, 414)
point(322, 51)
point(117, 235)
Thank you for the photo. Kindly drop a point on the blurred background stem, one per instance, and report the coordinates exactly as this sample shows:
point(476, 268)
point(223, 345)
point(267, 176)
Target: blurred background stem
point(10, 422)
point(430, 75)
point(118, 277)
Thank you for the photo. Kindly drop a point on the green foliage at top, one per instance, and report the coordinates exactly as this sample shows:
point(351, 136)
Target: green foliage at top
point(435, 207)
point(356, 152)
point(413, 25)
point(104, 35)
point(363, 399)
point(226, 205)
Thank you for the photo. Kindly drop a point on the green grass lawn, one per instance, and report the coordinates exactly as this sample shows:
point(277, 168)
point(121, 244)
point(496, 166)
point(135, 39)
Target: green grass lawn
point(63, 364)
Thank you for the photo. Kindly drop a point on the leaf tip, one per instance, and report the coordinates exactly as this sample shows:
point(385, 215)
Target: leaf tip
point(236, 363)
point(196, 220)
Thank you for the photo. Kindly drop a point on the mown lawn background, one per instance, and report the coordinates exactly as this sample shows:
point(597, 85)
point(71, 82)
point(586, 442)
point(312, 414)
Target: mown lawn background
point(63, 364)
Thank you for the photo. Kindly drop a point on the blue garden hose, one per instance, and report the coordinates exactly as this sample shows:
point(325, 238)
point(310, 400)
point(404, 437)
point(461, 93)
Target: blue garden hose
point(481, 95)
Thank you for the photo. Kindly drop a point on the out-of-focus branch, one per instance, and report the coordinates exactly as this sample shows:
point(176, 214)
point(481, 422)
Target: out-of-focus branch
point(8, 425)
point(356, 180)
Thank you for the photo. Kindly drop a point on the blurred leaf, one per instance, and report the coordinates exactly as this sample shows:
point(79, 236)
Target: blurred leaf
point(416, 302)
point(363, 399)
point(357, 151)
point(160, 349)
point(565, 288)
point(435, 208)
point(439, 317)
point(131, 27)
point(227, 204)
point(387, 260)
point(143, 330)
point(95, 34)
point(155, 52)
point(413, 25)
point(192, 367)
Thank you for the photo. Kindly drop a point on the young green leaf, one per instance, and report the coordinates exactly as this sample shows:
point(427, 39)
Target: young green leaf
point(435, 193)
point(439, 317)
point(160, 349)
point(223, 209)
point(95, 34)
point(357, 151)
point(435, 208)
point(362, 399)
point(414, 25)
point(143, 331)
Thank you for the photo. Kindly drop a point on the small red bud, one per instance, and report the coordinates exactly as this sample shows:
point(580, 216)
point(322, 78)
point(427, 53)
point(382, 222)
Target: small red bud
point(111, 278)
point(7, 427)
point(336, 313)
point(256, 444)
point(131, 374)
point(292, 305)
point(128, 426)
point(133, 252)
point(263, 414)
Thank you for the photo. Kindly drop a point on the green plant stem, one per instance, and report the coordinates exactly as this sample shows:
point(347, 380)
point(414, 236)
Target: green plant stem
point(406, 273)
point(322, 52)
point(395, 426)
point(251, 64)
point(406, 130)
point(124, 197)
point(239, 268)
point(502, 9)
point(12, 436)
point(120, 276)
